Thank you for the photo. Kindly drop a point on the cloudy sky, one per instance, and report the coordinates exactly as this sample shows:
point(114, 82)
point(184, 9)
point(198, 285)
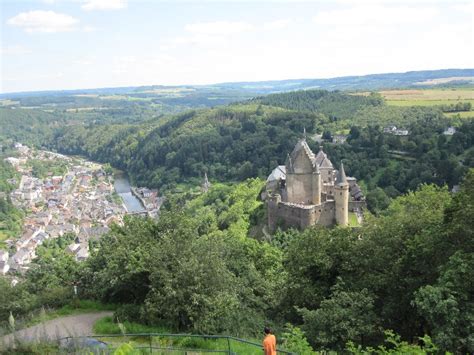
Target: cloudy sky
point(69, 44)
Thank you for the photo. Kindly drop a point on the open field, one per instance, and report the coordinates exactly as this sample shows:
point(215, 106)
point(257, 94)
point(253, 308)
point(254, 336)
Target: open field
point(85, 109)
point(445, 80)
point(125, 97)
point(8, 102)
point(428, 94)
point(427, 97)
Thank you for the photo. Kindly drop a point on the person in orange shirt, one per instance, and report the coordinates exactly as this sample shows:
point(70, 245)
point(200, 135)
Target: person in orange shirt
point(269, 342)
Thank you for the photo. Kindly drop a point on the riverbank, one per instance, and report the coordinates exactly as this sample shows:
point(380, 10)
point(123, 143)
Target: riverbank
point(123, 188)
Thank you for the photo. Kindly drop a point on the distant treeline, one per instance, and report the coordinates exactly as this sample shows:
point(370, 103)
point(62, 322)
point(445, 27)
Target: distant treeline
point(249, 139)
point(457, 107)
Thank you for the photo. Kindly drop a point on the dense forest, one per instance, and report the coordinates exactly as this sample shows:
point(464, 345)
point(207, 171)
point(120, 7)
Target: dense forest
point(206, 267)
point(408, 270)
point(249, 139)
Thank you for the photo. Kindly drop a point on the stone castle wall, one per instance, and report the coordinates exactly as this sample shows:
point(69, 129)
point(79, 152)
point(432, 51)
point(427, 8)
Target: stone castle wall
point(292, 215)
point(357, 205)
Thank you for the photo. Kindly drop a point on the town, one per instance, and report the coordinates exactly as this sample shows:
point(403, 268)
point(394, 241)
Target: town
point(63, 195)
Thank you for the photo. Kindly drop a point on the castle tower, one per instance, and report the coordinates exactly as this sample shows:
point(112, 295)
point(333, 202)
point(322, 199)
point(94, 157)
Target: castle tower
point(205, 184)
point(316, 188)
point(341, 197)
point(299, 174)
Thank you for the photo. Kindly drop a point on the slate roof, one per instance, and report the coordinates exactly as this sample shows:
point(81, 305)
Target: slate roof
point(322, 159)
point(278, 173)
point(341, 178)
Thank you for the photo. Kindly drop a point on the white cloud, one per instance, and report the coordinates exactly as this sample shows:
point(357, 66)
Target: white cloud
point(201, 40)
point(90, 5)
point(467, 8)
point(43, 21)
point(89, 29)
point(222, 28)
point(85, 61)
point(15, 50)
point(366, 14)
point(277, 24)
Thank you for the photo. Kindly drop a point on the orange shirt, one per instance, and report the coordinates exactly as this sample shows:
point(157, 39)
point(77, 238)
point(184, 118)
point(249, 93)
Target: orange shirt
point(269, 345)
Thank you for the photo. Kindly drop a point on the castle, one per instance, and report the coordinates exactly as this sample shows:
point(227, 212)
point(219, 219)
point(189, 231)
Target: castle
point(307, 190)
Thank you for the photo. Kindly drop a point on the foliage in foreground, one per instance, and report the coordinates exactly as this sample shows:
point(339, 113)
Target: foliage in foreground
point(196, 270)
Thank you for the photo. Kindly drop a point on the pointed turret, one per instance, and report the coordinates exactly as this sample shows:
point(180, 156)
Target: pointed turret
point(341, 178)
point(341, 197)
point(206, 184)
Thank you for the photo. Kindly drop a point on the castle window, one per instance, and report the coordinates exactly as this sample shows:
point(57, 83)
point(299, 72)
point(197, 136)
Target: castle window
point(340, 193)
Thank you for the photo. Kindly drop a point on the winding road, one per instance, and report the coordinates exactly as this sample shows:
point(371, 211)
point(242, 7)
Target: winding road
point(75, 325)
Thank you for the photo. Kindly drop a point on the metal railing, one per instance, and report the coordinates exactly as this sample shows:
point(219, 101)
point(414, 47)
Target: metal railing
point(151, 345)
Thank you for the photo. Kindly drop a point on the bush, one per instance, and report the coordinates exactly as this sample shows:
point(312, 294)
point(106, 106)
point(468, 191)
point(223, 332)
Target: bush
point(55, 297)
point(128, 312)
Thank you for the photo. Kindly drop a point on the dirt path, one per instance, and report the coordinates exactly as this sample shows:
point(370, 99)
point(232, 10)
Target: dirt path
point(54, 329)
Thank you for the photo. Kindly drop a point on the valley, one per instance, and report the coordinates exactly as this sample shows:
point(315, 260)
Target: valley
point(70, 214)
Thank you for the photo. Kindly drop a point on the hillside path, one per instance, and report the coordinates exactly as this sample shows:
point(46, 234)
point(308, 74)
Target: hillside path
point(75, 325)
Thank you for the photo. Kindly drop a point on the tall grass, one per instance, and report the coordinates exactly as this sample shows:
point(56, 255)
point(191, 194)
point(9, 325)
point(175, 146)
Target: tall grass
point(107, 326)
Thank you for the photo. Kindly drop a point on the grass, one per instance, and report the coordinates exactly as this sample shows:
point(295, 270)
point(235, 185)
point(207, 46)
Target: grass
point(429, 94)
point(106, 326)
point(353, 222)
point(427, 97)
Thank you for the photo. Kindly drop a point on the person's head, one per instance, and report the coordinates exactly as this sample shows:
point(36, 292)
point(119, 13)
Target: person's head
point(267, 330)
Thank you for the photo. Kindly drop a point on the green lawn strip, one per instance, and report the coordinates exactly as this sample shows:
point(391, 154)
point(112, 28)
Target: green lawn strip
point(106, 326)
point(353, 222)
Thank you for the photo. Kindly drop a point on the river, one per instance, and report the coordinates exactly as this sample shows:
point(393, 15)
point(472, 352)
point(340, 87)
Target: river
point(122, 187)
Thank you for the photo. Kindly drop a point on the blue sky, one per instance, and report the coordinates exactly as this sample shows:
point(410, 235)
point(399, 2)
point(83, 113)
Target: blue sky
point(69, 44)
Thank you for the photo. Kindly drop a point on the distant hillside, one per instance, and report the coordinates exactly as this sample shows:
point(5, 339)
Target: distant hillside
point(221, 93)
point(364, 82)
point(249, 139)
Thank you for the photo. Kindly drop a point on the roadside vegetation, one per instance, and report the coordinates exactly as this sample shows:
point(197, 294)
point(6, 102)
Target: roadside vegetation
point(207, 267)
point(196, 270)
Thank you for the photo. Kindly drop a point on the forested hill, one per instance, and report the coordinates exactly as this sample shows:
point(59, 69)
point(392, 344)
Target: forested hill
point(249, 139)
point(332, 104)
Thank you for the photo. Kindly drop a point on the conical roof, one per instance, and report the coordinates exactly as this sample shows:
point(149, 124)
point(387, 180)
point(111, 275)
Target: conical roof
point(206, 184)
point(341, 178)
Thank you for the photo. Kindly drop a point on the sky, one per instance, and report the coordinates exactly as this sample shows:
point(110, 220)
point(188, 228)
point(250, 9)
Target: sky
point(76, 44)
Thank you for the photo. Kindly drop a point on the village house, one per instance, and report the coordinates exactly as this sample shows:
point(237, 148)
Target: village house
point(4, 267)
point(449, 131)
point(23, 256)
point(395, 131)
